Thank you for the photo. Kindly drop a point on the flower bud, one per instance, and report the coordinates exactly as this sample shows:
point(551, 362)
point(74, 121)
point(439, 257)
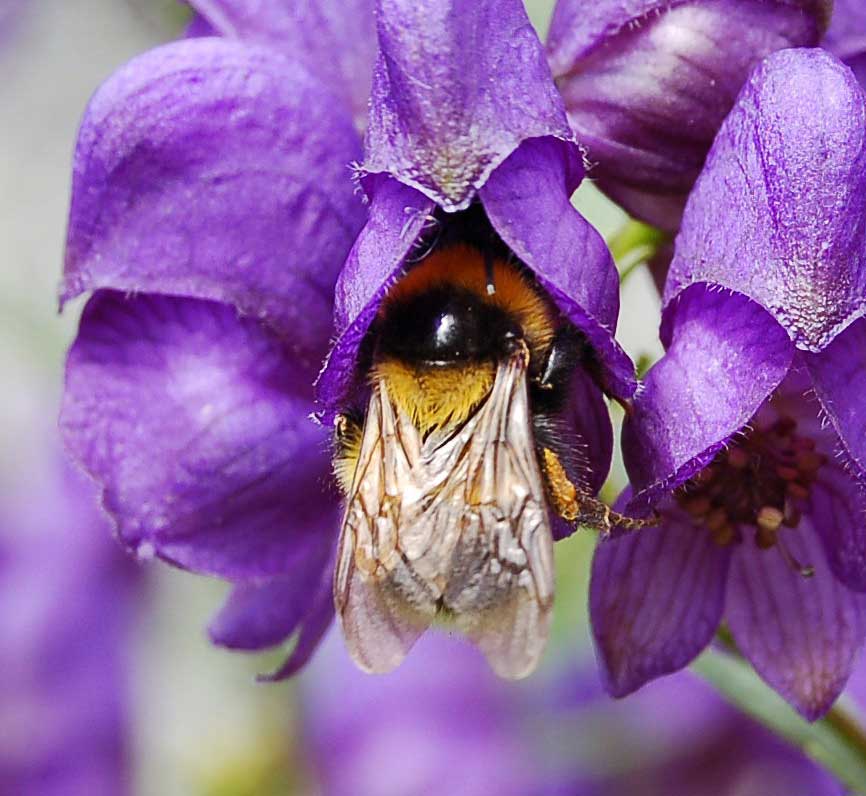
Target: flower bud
point(647, 84)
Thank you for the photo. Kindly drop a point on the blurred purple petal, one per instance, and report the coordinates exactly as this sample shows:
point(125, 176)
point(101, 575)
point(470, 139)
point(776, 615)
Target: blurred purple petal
point(839, 514)
point(527, 200)
point(217, 170)
point(656, 598)
point(839, 377)
point(68, 605)
point(787, 185)
point(725, 357)
point(802, 635)
point(440, 724)
point(397, 217)
point(195, 424)
point(334, 39)
point(846, 38)
point(457, 87)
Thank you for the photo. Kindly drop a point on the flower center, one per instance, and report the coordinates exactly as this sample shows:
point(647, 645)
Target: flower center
point(761, 482)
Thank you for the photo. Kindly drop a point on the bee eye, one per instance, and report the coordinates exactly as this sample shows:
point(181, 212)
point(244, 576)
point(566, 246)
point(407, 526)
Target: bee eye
point(445, 325)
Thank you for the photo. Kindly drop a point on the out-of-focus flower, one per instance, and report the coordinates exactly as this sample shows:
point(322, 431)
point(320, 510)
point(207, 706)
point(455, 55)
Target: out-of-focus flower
point(443, 724)
point(750, 434)
point(647, 84)
point(67, 606)
point(846, 37)
point(212, 207)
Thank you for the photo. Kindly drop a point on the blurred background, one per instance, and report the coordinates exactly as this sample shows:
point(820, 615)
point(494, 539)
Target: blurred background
point(107, 682)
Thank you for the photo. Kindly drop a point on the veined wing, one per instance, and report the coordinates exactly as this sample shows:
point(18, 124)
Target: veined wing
point(383, 608)
point(490, 529)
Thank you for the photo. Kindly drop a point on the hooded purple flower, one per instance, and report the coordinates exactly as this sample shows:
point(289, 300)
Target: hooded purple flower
point(647, 84)
point(846, 38)
point(749, 436)
point(211, 211)
point(67, 606)
point(212, 208)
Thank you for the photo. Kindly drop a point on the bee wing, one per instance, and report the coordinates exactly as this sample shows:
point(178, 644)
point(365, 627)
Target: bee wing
point(382, 606)
point(490, 518)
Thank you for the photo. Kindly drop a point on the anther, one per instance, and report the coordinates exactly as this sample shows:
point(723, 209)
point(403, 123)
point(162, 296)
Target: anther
point(796, 490)
point(787, 473)
point(738, 458)
point(769, 519)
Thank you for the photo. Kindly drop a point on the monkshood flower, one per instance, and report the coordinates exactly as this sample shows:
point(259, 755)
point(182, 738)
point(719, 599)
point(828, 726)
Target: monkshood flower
point(212, 208)
point(473, 282)
point(210, 215)
point(68, 600)
point(647, 84)
point(749, 435)
point(846, 37)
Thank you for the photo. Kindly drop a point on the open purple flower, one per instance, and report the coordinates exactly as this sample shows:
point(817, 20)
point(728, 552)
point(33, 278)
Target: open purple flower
point(647, 84)
point(212, 207)
point(748, 436)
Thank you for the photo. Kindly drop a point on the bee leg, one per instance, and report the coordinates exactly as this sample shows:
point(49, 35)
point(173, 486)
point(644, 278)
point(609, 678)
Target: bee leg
point(579, 507)
point(348, 429)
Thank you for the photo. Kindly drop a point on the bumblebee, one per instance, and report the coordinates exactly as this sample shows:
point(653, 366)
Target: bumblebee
point(450, 472)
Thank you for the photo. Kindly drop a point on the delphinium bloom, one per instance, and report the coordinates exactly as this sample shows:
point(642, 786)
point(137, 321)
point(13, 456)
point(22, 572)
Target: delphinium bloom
point(68, 603)
point(212, 208)
point(846, 37)
point(647, 84)
point(748, 435)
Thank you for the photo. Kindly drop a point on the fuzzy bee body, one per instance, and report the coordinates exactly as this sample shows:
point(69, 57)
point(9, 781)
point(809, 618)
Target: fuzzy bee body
point(447, 479)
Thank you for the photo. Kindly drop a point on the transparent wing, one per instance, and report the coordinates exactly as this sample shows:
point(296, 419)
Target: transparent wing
point(500, 570)
point(382, 607)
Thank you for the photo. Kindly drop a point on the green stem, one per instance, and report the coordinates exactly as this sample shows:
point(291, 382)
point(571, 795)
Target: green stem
point(836, 742)
point(634, 244)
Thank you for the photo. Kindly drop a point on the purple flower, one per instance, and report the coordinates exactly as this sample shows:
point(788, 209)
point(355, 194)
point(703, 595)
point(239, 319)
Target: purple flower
point(846, 38)
point(211, 213)
point(647, 84)
point(67, 608)
point(749, 435)
point(442, 723)
point(212, 208)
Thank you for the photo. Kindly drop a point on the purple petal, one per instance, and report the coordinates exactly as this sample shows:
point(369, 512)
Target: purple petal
point(194, 422)
point(838, 512)
point(527, 200)
point(725, 357)
point(314, 627)
point(334, 39)
point(656, 598)
point(457, 87)
point(647, 83)
point(839, 377)
point(588, 417)
point(397, 217)
point(801, 634)
point(217, 170)
point(787, 186)
point(260, 615)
